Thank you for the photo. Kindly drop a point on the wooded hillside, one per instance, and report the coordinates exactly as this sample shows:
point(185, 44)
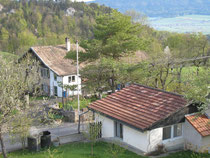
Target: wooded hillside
point(27, 23)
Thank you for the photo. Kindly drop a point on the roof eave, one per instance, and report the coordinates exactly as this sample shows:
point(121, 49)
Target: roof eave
point(154, 124)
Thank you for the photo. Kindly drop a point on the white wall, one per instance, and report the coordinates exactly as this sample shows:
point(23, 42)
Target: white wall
point(191, 136)
point(135, 138)
point(146, 141)
point(65, 81)
point(155, 137)
point(194, 141)
point(55, 83)
point(205, 144)
point(107, 126)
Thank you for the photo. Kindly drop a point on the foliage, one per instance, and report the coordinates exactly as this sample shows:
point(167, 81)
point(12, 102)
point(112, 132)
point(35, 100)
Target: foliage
point(16, 81)
point(27, 23)
point(115, 36)
point(115, 150)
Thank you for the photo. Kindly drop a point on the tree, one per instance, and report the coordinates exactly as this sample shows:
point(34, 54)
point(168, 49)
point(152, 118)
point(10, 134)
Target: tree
point(137, 16)
point(16, 81)
point(115, 36)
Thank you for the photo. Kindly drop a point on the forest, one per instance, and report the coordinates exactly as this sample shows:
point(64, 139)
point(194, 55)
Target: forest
point(27, 23)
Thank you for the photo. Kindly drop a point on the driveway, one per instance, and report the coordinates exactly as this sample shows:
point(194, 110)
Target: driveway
point(66, 132)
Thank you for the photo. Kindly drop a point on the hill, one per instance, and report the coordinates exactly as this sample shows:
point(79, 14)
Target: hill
point(161, 8)
point(28, 23)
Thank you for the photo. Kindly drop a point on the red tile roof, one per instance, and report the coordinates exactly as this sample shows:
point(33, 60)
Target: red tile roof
point(201, 123)
point(139, 106)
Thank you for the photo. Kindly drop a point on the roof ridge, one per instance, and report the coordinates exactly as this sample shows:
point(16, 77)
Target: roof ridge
point(157, 89)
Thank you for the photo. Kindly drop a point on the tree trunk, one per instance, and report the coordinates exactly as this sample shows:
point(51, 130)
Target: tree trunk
point(92, 149)
point(2, 146)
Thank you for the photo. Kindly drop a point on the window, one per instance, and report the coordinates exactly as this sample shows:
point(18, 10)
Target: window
point(172, 131)
point(118, 129)
point(55, 77)
point(177, 130)
point(44, 73)
point(45, 88)
point(55, 91)
point(71, 79)
point(166, 133)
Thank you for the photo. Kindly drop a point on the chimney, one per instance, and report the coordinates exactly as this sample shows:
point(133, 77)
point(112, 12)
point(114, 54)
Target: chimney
point(68, 44)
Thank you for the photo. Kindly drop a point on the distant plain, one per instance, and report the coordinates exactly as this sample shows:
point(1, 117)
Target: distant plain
point(182, 24)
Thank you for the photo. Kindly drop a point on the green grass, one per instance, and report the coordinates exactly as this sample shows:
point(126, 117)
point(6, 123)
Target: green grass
point(187, 154)
point(101, 150)
point(74, 150)
point(7, 56)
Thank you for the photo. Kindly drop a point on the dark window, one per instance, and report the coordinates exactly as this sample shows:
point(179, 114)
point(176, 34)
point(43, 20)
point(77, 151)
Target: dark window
point(55, 91)
point(55, 77)
point(118, 129)
point(166, 133)
point(70, 79)
point(73, 79)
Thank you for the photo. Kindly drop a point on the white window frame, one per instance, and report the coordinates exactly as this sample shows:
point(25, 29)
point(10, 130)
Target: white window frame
point(172, 133)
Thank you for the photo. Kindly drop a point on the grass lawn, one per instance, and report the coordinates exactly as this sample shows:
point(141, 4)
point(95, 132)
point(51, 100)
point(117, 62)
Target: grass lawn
point(101, 150)
point(8, 56)
point(74, 150)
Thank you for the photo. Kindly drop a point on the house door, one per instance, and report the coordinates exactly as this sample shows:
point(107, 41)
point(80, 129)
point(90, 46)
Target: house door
point(118, 130)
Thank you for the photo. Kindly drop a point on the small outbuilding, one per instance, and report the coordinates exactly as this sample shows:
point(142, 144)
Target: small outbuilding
point(144, 117)
point(197, 132)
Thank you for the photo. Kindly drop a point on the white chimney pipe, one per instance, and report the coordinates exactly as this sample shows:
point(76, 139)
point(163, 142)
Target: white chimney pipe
point(68, 44)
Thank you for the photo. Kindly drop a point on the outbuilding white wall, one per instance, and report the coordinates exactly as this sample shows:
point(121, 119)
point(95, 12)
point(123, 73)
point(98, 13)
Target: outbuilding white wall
point(155, 138)
point(194, 141)
point(135, 138)
point(107, 126)
point(145, 141)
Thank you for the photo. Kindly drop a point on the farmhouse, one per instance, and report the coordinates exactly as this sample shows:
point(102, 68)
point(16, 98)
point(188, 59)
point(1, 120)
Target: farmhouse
point(55, 70)
point(145, 117)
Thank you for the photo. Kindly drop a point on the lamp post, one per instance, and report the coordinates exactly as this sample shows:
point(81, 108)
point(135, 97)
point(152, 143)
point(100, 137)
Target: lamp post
point(78, 78)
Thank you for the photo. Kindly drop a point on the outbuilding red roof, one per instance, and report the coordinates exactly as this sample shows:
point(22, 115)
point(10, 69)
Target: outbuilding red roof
point(201, 123)
point(139, 106)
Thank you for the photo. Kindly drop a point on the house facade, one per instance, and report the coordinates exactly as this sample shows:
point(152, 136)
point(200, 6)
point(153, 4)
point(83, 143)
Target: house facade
point(144, 118)
point(57, 72)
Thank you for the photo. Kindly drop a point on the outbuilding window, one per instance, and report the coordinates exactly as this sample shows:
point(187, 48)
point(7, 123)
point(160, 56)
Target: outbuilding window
point(173, 131)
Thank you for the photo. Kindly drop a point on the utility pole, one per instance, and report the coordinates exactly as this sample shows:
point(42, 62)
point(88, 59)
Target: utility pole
point(78, 78)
